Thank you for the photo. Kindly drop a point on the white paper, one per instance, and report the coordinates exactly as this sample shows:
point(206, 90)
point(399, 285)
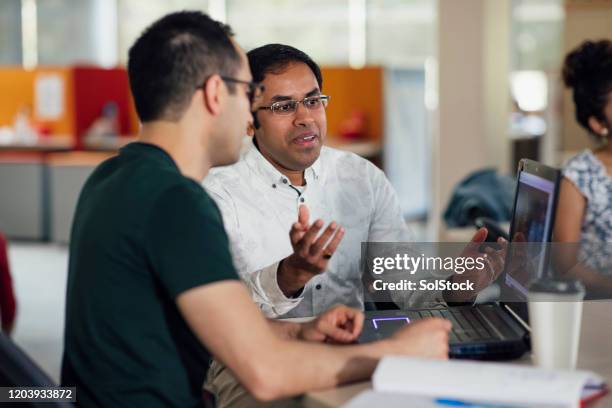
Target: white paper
point(49, 96)
point(370, 399)
point(467, 380)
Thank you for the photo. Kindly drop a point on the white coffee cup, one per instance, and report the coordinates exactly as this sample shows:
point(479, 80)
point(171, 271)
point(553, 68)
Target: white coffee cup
point(555, 314)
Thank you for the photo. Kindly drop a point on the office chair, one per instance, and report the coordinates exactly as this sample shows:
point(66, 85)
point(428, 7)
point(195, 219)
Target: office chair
point(18, 370)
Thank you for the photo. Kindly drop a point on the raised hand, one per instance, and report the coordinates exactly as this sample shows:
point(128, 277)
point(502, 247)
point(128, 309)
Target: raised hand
point(481, 278)
point(311, 252)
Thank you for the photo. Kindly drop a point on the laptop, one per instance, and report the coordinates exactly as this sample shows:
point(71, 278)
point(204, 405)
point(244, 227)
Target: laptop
point(498, 330)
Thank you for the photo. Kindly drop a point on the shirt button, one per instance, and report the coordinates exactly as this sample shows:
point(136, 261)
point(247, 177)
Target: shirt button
point(302, 199)
point(318, 287)
point(285, 181)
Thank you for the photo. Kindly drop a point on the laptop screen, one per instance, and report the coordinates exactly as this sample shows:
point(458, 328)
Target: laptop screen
point(532, 222)
point(533, 216)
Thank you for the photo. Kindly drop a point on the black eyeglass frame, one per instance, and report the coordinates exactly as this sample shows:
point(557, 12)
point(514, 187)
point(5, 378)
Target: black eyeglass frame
point(254, 91)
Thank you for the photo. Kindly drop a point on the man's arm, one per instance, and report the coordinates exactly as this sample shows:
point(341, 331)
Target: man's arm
point(388, 225)
point(265, 364)
point(278, 287)
point(275, 288)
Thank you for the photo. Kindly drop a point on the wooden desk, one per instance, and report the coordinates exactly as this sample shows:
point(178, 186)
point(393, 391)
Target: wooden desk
point(595, 354)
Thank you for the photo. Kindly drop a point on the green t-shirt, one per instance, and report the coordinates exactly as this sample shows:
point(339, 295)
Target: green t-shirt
point(142, 234)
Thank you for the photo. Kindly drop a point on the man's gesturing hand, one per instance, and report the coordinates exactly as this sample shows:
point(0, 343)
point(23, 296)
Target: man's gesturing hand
point(311, 252)
point(481, 278)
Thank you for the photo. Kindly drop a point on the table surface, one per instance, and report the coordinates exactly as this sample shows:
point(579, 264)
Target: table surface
point(594, 354)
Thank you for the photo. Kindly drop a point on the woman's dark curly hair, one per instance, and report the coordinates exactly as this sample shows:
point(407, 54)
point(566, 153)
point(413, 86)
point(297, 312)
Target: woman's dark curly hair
point(588, 71)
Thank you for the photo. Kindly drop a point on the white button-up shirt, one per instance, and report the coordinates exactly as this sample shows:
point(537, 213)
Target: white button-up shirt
point(259, 205)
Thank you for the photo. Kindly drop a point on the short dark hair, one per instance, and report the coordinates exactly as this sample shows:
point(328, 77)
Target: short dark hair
point(174, 56)
point(588, 71)
point(273, 59)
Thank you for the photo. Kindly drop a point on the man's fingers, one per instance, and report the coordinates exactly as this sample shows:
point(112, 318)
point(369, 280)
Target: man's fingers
point(317, 247)
point(480, 235)
point(296, 233)
point(335, 333)
point(496, 261)
point(495, 256)
point(503, 243)
point(308, 238)
point(347, 318)
point(330, 249)
point(357, 319)
point(303, 215)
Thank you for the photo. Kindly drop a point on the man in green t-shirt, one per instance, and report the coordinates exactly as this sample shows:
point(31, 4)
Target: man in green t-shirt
point(151, 285)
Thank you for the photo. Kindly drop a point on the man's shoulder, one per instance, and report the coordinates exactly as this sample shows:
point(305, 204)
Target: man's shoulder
point(221, 180)
point(135, 181)
point(347, 162)
point(173, 184)
point(229, 173)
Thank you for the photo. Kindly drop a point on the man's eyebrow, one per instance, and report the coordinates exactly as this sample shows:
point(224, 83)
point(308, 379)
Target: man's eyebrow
point(315, 91)
point(277, 98)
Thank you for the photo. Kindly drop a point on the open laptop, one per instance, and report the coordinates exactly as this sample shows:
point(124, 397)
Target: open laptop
point(500, 330)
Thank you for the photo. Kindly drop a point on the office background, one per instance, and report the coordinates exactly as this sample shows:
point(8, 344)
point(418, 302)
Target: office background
point(445, 88)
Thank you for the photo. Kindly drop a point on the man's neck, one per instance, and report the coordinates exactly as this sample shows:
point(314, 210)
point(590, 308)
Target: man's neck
point(189, 155)
point(296, 177)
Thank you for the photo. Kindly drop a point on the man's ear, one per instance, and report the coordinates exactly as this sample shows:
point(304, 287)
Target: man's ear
point(250, 130)
point(596, 126)
point(213, 94)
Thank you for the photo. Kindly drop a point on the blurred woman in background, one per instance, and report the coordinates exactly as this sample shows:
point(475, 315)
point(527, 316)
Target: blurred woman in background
point(585, 200)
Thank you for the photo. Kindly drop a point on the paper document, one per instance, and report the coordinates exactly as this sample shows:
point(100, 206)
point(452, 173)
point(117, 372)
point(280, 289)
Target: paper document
point(370, 399)
point(483, 381)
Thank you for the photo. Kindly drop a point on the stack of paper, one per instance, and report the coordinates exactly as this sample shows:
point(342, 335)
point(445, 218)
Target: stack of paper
point(437, 383)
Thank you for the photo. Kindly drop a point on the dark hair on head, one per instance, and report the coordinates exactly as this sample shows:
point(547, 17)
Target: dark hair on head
point(274, 59)
point(173, 57)
point(588, 71)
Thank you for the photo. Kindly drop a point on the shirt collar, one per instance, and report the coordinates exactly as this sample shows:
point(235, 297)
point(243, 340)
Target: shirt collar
point(149, 150)
point(258, 163)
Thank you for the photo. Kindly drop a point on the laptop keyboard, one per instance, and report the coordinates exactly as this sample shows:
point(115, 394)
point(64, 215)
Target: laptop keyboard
point(468, 326)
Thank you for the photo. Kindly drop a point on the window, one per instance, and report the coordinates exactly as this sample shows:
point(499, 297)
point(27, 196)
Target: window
point(401, 32)
point(318, 27)
point(65, 32)
point(10, 32)
point(537, 34)
point(136, 15)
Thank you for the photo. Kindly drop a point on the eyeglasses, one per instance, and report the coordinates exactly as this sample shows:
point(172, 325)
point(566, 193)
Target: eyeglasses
point(285, 108)
point(254, 89)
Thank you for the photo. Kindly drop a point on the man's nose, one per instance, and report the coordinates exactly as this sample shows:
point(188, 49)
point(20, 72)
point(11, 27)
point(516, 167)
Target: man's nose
point(303, 116)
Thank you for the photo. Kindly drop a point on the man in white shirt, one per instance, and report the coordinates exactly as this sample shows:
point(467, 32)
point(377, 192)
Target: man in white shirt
point(286, 175)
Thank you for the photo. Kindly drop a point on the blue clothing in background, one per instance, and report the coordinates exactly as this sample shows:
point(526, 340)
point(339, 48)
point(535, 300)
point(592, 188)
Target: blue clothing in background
point(483, 193)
